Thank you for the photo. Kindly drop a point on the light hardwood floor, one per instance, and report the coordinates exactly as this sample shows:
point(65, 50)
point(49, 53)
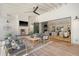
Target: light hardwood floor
point(57, 48)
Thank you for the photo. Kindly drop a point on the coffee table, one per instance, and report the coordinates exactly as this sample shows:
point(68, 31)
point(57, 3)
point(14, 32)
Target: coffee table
point(34, 40)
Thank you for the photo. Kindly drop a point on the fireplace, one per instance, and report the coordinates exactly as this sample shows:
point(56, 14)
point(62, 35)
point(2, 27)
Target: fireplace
point(23, 32)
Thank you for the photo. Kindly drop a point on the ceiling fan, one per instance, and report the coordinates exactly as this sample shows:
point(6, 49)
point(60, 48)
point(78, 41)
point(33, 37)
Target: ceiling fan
point(34, 11)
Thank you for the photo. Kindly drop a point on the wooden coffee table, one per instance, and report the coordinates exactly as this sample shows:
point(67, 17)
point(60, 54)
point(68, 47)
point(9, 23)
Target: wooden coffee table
point(33, 40)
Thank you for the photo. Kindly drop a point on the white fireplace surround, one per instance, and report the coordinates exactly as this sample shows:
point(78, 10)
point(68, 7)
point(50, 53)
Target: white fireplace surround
point(25, 29)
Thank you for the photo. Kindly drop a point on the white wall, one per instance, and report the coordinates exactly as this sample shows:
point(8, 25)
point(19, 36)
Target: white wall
point(75, 31)
point(71, 10)
point(11, 25)
point(2, 30)
point(14, 24)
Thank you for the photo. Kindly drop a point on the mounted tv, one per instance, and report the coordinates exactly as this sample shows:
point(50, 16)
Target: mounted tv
point(45, 25)
point(23, 23)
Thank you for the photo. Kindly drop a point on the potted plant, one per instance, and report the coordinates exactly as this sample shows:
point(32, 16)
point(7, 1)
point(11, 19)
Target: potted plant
point(8, 38)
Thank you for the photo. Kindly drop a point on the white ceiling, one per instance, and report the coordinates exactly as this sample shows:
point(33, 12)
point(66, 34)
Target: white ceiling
point(27, 8)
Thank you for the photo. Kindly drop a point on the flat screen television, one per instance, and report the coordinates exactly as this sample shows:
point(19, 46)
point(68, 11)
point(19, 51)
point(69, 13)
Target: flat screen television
point(45, 25)
point(23, 23)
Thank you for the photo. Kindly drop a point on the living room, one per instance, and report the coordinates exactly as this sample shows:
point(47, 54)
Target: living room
point(37, 25)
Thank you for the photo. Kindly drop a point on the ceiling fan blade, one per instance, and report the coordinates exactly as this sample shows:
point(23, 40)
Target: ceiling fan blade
point(33, 11)
point(36, 13)
point(36, 8)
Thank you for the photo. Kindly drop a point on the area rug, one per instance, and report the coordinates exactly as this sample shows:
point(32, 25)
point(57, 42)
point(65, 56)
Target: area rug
point(38, 48)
